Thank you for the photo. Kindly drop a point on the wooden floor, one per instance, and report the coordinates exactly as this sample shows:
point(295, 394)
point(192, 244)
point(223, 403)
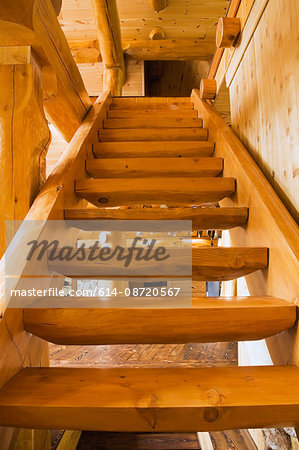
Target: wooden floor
point(146, 355)
point(92, 440)
point(183, 355)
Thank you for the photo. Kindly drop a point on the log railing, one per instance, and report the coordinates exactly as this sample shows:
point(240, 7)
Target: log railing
point(19, 348)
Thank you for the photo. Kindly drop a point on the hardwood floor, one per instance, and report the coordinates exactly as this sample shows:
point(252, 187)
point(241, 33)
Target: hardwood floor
point(92, 440)
point(146, 355)
point(181, 355)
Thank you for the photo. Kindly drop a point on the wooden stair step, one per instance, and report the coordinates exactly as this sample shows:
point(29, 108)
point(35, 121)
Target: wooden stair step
point(202, 218)
point(152, 122)
point(154, 167)
point(148, 113)
point(151, 400)
point(226, 263)
point(153, 134)
point(170, 191)
point(152, 103)
point(165, 149)
point(209, 320)
point(208, 264)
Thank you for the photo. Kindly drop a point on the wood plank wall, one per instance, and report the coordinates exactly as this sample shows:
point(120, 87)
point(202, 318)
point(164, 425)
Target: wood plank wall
point(264, 99)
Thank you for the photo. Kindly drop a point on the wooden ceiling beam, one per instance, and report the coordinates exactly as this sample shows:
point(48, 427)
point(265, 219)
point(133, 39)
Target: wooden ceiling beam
point(148, 50)
point(158, 5)
point(171, 49)
point(109, 36)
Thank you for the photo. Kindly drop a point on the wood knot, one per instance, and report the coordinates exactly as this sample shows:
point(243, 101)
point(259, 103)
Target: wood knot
point(210, 414)
point(103, 200)
point(214, 398)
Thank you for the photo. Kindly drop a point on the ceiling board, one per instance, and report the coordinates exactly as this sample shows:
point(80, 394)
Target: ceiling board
point(182, 18)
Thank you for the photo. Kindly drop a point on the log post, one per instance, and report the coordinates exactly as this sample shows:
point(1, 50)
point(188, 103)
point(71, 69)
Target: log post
point(24, 133)
point(34, 23)
point(109, 36)
point(158, 5)
point(228, 31)
point(208, 89)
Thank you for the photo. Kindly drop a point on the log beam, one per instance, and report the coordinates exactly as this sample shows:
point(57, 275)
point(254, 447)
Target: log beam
point(170, 49)
point(155, 48)
point(158, 5)
point(228, 30)
point(109, 36)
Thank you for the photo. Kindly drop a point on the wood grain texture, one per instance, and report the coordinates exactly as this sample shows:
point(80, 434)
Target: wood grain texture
point(109, 36)
point(156, 103)
point(269, 224)
point(141, 441)
point(153, 122)
point(152, 149)
point(35, 23)
point(202, 218)
point(170, 49)
point(208, 264)
point(195, 20)
point(23, 148)
point(148, 114)
point(154, 167)
point(270, 136)
point(154, 134)
point(209, 320)
point(172, 191)
point(149, 399)
point(220, 264)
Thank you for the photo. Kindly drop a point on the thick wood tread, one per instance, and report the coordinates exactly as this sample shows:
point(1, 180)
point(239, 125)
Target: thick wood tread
point(158, 103)
point(171, 191)
point(153, 134)
point(209, 320)
point(202, 218)
point(154, 167)
point(147, 113)
point(208, 264)
point(152, 122)
point(165, 149)
point(226, 263)
point(151, 400)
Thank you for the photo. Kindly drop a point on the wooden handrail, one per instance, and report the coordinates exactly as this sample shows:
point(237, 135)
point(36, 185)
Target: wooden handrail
point(51, 201)
point(269, 224)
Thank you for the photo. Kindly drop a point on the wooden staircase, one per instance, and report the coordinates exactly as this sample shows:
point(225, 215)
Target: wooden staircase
point(154, 152)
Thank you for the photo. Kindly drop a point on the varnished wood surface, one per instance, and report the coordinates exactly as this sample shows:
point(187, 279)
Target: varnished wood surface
point(91, 440)
point(154, 167)
point(220, 263)
point(209, 320)
point(153, 122)
point(145, 355)
point(170, 191)
point(154, 134)
point(153, 103)
point(208, 264)
point(149, 399)
point(269, 224)
point(148, 114)
point(152, 149)
point(170, 49)
point(202, 218)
